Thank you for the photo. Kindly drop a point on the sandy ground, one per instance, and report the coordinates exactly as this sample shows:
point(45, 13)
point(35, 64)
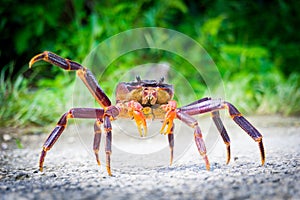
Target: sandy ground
point(141, 166)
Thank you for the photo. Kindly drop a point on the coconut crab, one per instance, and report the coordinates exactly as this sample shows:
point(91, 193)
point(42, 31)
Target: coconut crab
point(141, 100)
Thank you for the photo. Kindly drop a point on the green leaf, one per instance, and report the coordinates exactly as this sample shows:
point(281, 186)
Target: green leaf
point(212, 26)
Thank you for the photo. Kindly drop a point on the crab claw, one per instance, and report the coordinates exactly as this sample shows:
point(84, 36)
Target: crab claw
point(170, 109)
point(140, 121)
point(135, 110)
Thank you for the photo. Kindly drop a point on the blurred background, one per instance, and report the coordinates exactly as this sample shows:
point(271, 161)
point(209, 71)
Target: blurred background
point(255, 45)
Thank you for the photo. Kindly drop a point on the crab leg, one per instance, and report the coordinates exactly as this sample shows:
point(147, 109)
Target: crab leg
point(219, 124)
point(190, 121)
point(247, 127)
point(107, 129)
point(209, 105)
point(61, 125)
point(85, 75)
point(108, 112)
point(171, 143)
point(97, 138)
point(170, 109)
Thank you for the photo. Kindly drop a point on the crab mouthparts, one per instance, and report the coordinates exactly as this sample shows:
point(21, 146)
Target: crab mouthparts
point(149, 96)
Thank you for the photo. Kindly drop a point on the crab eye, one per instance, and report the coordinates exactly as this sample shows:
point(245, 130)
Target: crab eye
point(145, 91)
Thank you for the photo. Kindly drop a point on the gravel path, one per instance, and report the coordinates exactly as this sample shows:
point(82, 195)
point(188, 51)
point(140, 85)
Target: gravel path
point(72, 173)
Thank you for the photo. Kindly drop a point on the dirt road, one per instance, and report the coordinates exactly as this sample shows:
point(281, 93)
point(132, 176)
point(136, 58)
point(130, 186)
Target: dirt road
point(143, 173)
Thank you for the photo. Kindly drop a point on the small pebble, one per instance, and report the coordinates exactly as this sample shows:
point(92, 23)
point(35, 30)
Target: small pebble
point(4, 146)
point(7, 137)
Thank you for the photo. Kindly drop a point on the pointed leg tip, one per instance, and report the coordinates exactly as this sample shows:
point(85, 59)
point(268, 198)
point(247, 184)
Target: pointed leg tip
point(38, 57)
point(228, 153)
point(171, 161)
point(208, 167)
point(97, 157)
point(42, 158)
point(262, 151)
point(206, 163)
point(228, 160)
point(109, 171)
point(32, 61)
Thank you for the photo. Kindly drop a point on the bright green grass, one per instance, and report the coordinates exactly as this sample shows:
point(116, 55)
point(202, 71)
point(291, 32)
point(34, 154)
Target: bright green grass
point(23, 106)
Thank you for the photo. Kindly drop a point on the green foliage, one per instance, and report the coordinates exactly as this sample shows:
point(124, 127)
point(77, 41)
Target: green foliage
point(21, 106)
point(255, 45)
point(9, 94)
point(280, 98)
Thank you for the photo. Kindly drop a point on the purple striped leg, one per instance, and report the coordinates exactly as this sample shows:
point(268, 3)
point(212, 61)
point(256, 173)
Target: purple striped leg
point(213, 105)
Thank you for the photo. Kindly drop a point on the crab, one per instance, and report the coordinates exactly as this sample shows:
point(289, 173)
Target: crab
point(142, 100)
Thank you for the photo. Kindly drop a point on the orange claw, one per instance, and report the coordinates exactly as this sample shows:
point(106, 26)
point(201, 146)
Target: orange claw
point(136, 112)
point(170, 108)
point(140, 121)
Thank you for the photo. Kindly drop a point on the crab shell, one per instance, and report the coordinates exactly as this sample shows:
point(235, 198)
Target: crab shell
point(150, 94)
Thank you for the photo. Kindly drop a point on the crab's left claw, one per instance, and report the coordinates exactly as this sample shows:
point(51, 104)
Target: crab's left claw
point(170, 109)
point(135, 110)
